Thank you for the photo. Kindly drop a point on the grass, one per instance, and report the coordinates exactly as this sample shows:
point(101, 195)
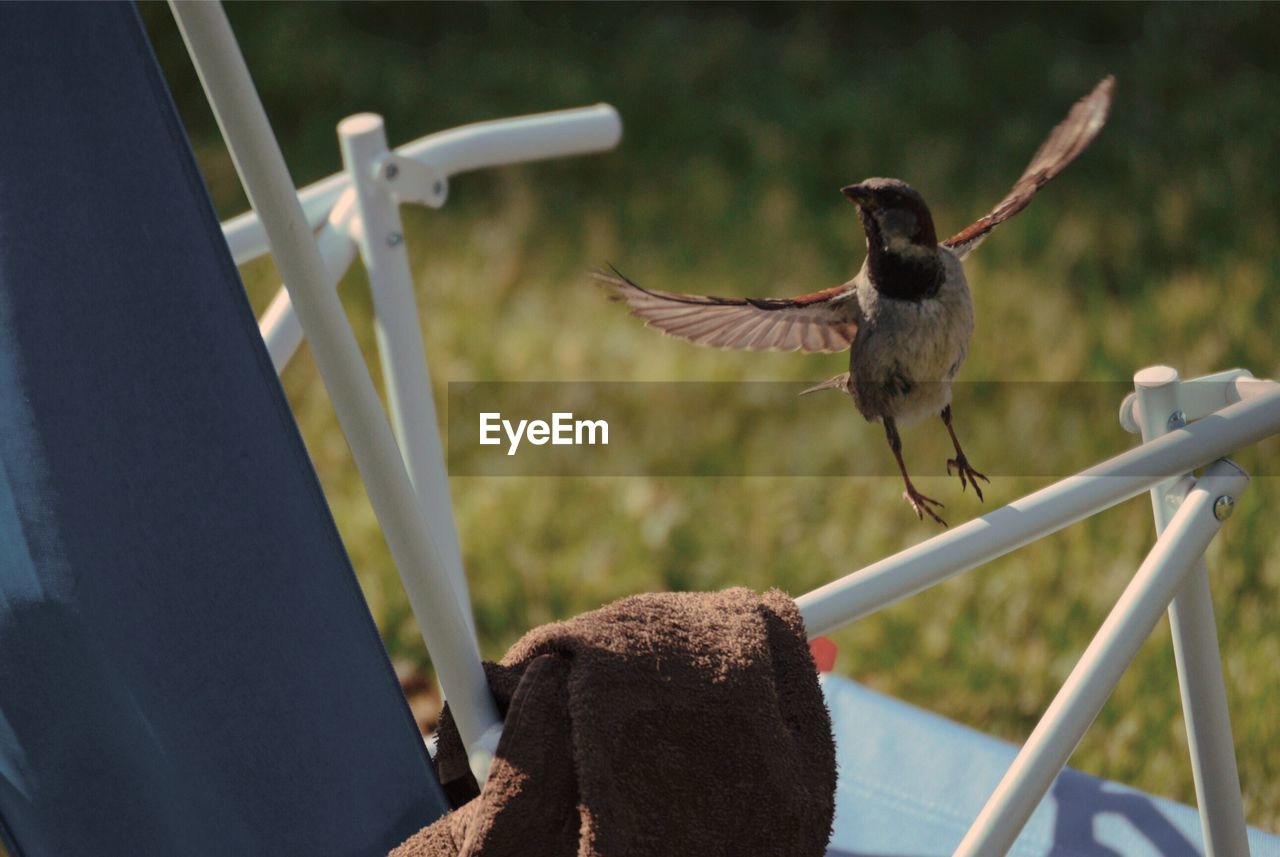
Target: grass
point(741, 123)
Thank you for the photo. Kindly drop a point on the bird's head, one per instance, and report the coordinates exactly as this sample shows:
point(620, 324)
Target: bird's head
point(902, 246)
point(894, 212)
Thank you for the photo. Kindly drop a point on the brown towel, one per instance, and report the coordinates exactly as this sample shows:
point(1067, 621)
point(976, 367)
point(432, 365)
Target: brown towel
point(666, 724)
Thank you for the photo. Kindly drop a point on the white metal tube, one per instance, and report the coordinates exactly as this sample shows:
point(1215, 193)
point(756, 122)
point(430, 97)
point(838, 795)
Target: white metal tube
point(1085, 691)
point(536, 137)
point(279, 325)
point(560, 133)
point(1045, 511)
point(1195, 397)
point(266, 180)
point(1200, 396)
point(399, 335)
point(1250, 388)
point(1208, 719)
point(248, 240)
point(1195, 647)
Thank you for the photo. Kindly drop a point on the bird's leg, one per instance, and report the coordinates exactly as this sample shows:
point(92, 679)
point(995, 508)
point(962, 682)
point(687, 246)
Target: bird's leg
point(960, 463)
point(918, 501)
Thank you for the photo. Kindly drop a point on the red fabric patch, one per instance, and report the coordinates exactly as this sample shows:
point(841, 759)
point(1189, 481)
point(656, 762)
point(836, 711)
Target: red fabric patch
point(824, 654)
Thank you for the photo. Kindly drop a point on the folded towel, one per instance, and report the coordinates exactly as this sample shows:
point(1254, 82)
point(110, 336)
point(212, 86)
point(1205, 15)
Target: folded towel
point(663, 724)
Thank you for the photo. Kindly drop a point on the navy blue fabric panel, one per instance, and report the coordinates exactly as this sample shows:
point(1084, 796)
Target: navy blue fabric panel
point(187, 666)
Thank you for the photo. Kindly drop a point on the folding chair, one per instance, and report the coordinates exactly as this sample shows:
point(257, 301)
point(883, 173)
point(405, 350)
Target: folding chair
point(157, 509)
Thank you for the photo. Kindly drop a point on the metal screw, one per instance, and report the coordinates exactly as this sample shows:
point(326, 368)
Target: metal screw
point(1224, 506)
point(394, 239)
point(391, 172)
point(1177, 420)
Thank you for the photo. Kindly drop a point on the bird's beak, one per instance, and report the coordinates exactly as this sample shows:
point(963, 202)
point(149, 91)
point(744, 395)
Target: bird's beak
point(860, 194)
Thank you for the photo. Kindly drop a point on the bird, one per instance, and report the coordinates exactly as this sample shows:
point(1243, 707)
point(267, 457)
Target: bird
point(906, 317)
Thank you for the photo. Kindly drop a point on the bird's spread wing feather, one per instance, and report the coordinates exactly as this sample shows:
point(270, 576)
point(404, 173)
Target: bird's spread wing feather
point(821, 321)
point(1062, 146)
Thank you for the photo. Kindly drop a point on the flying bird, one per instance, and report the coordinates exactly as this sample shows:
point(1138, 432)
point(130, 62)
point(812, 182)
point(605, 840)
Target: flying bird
point(906, 316)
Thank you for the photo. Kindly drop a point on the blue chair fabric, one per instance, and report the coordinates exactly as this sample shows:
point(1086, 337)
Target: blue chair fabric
point(187, 665)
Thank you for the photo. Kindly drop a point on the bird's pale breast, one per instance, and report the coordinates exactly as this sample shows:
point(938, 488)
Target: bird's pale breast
point(907, 352)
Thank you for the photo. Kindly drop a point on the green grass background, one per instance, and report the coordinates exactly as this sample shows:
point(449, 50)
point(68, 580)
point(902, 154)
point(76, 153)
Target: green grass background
point(741, 122)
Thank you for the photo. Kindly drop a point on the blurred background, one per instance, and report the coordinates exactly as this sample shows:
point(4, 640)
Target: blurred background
point(741, 122)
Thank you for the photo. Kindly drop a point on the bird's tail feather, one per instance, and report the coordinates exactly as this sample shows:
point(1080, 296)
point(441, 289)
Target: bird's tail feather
point(839, 382)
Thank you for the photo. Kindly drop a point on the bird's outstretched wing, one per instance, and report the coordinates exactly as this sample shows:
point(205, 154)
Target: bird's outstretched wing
point(822, 321)
point(1072, 136)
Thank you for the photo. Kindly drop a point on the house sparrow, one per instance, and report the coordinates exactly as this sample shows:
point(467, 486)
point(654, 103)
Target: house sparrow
point(906, 316)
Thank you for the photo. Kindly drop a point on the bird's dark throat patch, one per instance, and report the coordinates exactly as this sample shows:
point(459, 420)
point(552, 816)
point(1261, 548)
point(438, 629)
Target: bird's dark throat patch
point(909, 276)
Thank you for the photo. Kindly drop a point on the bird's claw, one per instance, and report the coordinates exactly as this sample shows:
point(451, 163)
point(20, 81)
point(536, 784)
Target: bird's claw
point(968, 476)
point(921, 504)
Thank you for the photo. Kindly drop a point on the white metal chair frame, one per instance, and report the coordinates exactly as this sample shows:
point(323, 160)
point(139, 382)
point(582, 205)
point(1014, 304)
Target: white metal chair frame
point(1184, 425)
